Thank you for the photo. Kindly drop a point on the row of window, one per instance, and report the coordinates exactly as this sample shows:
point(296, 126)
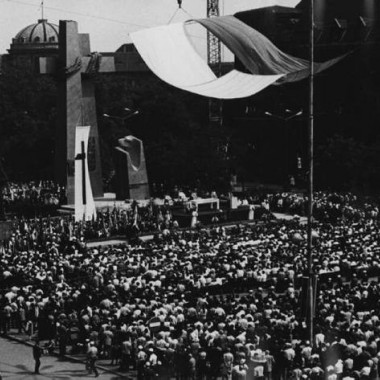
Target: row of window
point(36, 39)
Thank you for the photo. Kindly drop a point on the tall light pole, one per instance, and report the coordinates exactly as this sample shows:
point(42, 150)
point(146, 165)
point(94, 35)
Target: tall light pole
point(310, 269)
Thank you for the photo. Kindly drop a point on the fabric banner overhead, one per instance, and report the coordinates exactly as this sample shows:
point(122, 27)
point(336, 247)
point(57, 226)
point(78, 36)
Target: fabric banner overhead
point(257, 53)
point(169, 53)
point(84, 201)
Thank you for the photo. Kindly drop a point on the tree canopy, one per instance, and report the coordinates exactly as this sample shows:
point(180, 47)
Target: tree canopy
point(180, 145)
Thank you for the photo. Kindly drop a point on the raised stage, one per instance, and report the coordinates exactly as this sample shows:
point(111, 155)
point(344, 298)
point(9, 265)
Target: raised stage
point(108, 201)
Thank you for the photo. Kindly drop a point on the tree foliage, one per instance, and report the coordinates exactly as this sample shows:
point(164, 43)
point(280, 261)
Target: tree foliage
point(344, 163)
point(180, 145)
point(27, 120)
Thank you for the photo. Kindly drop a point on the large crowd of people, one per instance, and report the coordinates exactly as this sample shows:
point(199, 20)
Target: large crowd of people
point(204, 303)
point(32, 198)
point(328, 207)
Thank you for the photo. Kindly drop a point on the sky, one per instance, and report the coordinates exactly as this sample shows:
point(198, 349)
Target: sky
point(110, 21)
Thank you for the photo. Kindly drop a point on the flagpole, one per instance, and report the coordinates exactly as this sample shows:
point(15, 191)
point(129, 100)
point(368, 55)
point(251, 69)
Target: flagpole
point(310, 301)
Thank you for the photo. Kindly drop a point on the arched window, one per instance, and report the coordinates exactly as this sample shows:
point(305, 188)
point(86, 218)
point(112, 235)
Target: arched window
point(37, 39)
point(51, 39)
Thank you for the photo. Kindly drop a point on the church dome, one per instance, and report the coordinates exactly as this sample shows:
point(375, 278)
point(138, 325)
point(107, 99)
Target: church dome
point(41, 35)
point(41, 32)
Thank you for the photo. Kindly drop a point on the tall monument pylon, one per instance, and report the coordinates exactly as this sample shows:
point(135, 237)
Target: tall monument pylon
point(76, 106)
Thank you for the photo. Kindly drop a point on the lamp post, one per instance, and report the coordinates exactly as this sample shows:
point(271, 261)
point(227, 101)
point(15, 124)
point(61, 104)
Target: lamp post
point(310, 269)
point(285, 117)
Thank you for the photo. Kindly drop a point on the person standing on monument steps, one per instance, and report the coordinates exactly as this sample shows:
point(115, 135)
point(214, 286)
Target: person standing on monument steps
point(37, 353)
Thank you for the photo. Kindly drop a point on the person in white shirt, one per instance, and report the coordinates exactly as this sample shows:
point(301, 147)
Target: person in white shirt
point(92, 356)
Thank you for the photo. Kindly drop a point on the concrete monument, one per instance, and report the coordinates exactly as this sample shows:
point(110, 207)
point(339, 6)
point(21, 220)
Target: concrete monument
point(131, 174)
point(76, 106)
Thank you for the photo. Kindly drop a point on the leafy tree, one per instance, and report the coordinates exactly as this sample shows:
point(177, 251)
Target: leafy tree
point(344, 163)
point(180, 146)
point(27, 119)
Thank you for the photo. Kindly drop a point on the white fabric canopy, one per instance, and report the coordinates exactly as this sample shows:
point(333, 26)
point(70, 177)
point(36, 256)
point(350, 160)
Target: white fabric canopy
point(234, 85)
point(168, 52)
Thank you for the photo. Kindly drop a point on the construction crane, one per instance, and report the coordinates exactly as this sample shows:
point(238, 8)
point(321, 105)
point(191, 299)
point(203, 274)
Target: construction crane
point(214, 59)
point(213, 43)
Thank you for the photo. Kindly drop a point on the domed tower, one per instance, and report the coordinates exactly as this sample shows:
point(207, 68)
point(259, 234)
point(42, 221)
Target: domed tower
point(34, 41)
point(36, 37)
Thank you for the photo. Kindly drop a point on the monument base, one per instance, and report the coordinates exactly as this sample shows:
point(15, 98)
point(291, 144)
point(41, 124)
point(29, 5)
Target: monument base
point(108, 201)
point(205, 217)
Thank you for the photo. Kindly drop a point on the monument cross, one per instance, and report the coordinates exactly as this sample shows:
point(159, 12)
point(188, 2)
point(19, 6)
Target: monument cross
point(75, 68)
point(82, 156)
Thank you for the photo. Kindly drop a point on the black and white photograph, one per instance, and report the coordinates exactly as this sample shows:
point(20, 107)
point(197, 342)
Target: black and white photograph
point(190, 189)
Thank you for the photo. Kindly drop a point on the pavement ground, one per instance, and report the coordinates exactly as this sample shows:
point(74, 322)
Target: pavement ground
point(17, 363)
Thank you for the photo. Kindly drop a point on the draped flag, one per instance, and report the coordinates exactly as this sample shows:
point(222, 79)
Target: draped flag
point(257, 53)
point(169, 53)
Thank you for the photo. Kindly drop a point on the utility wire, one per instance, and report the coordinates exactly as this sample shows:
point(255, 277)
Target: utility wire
point(190, 15)
point(177, 10)
point(100, 17)
point(78, 13)
point(171, 18)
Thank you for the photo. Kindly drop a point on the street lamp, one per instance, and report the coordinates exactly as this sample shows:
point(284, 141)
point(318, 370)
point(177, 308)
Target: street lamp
point(311, 286)
point(122, 118)
point(290, 115)
point(284, 118)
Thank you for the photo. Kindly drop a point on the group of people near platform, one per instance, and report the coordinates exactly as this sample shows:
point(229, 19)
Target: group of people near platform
point(206, 303)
